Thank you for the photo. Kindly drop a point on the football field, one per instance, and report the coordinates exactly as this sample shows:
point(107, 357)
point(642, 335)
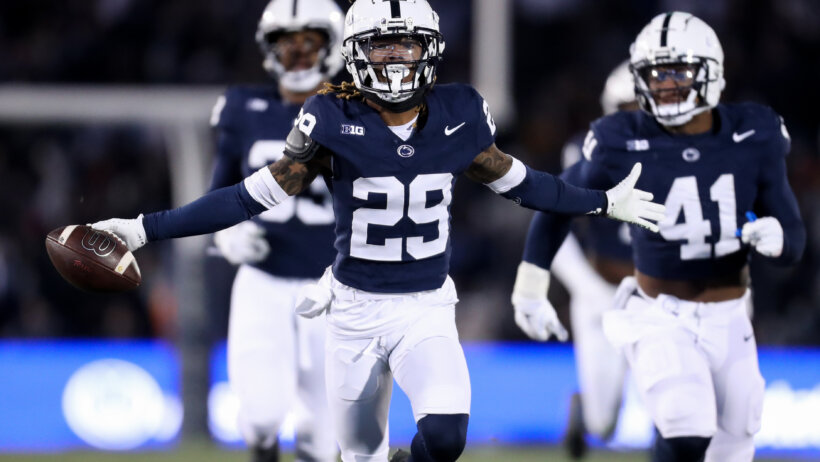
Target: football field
point(206, 452)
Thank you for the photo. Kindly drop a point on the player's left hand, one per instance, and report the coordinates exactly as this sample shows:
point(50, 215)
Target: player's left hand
point(764, 234)
point(631, 205)
point(131, 231)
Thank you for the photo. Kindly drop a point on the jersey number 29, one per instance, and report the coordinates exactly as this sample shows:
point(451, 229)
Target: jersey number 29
point(393, 212)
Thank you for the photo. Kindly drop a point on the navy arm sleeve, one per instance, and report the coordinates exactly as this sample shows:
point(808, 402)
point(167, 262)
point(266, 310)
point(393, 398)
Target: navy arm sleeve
point(544, 192)
point(548, 230)
point(777, 199)
point(219, 209)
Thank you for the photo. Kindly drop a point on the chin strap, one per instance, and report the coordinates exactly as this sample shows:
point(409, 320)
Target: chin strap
point(400, 106)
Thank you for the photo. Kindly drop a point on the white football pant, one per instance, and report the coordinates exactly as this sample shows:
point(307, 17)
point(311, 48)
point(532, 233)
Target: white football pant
point(695, 365)
point(276, 365)
point(374, 338)
point(601, 367)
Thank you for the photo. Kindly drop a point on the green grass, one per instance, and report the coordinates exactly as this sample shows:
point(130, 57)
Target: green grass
point(206, 452)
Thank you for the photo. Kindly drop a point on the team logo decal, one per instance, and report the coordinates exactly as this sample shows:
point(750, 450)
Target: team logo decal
point(405, 150)
point(691, 155)
point(101, 244)
point(352, 130)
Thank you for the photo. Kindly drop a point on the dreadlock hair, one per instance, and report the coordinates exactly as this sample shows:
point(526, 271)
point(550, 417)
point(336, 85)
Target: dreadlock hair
point(348, 91)
point(345, 90)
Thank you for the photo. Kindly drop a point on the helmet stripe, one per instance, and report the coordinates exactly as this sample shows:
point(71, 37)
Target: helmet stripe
point(294, 7)
point(665, 28)
point(395, 9)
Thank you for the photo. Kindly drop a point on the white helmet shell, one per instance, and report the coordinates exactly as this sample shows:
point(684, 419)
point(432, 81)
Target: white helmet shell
point(679, 38)
point(367, 19)
point(619, 89)
point(284, 16)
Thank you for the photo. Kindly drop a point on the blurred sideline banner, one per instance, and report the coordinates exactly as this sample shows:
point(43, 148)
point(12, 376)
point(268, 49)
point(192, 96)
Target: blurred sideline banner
point(64, 395)
point(60, 395)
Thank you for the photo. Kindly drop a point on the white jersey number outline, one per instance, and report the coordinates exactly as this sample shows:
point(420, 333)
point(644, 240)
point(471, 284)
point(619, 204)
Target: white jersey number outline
point(393, 212)
point(307, 210)
point(683, 196)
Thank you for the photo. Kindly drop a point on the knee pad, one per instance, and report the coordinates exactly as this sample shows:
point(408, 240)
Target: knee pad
point(681, 449)
point(444, 435)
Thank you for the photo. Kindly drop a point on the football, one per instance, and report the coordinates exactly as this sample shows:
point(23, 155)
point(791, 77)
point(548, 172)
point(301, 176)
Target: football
point(91, 260)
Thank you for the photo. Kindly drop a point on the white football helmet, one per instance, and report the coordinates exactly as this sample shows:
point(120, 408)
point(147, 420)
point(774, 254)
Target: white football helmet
point(387, 83)
point(284, 16)
point(619, 89)
point(678, 38)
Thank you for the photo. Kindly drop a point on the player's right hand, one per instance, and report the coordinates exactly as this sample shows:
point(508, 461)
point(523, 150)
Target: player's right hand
point(314, 299)
point(534, 314)
point(538, 319)
point(632, 205)
point(242, 243)
point(130, 231)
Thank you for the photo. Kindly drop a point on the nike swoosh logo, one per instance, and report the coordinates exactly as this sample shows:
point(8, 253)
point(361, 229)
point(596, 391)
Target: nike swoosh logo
point(746, 338)
point(449, 131)
point(738, 137)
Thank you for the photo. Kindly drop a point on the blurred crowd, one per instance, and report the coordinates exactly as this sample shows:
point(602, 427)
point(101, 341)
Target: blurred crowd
point(562, 51)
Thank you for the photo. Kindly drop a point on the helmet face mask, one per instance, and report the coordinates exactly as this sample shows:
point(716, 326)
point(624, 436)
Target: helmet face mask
point(394, 67)
point(288, 35)
point(677, 64)
point(392, 58)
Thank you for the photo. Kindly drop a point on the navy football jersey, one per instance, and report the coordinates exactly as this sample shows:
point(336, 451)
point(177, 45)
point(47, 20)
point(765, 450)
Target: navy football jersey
point(707, 182)
point(252, 124)
point(392, 197)
point(599, 236)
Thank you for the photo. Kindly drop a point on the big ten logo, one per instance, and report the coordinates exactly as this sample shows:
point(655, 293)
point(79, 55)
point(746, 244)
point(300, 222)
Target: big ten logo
point(100, 243)
point(352, 130)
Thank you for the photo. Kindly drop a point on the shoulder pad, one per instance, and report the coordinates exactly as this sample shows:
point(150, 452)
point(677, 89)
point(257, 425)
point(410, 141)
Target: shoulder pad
point(299, 146)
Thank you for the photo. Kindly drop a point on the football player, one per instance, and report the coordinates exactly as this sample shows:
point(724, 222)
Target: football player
point(591, 263)
point(276, 358)
point(681, 321)
point(393, 145)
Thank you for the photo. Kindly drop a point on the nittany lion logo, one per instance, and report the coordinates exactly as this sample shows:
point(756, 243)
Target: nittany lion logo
point(405, 150)
point(101, 244)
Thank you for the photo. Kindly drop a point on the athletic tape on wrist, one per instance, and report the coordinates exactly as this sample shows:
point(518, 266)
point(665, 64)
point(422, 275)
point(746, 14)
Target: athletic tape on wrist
point(263, 188)
point(511, 179)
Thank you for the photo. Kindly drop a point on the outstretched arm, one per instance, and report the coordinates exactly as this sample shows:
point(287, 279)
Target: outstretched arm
point(221, 208)
point(541, 191)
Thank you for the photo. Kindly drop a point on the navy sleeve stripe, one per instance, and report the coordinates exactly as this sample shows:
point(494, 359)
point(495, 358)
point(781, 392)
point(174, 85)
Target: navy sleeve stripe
point(542, 191)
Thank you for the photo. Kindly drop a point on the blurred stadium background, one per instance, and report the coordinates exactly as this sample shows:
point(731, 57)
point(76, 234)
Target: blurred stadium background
point(103, 112)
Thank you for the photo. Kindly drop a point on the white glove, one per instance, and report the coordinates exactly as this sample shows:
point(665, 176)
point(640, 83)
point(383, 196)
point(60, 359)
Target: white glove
point(314, 299)
point(764, 234)
point(242, 243)
point(534, 314)
point(129, 231)
point(632, 205)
